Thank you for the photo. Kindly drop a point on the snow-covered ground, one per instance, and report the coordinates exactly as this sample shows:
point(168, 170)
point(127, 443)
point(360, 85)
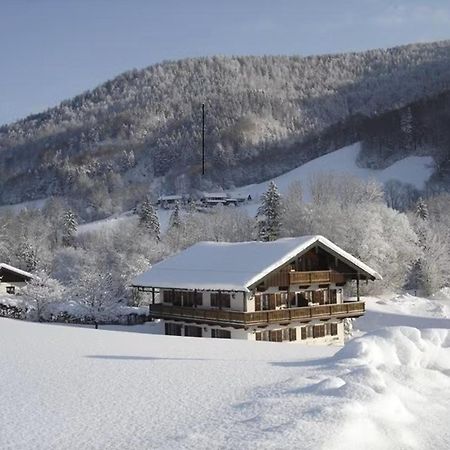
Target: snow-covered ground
point(17, 207)
point(70, 387)
point(163, 216)
point(415, 170)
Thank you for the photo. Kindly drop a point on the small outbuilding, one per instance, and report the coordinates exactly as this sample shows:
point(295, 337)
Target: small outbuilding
point(12, 279)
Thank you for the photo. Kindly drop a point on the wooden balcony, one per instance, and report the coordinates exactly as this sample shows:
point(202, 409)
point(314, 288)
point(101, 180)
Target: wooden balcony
point(259, 318)
point(316, 277)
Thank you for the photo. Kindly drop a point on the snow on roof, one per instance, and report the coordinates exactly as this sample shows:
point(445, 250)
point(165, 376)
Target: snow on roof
point(170, 197)
point(16, 270)
point(233, 266)
point(215, 195)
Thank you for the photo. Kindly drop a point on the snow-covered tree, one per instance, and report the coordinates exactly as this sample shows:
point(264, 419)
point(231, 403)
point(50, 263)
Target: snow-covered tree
point(95, 296)
point(40, 294)
point(175, 218)
point(148, 219)
point(69, 228)
point(434, 263)
point(406, 126)
point(269, 214)
point(422, 209)
point(27, 255)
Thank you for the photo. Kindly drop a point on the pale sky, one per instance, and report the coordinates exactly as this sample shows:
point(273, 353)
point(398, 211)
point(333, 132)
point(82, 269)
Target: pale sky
point(54, 49)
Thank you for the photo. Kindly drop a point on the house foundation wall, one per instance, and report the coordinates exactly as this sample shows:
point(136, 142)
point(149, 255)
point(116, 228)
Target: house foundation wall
point(250, 334)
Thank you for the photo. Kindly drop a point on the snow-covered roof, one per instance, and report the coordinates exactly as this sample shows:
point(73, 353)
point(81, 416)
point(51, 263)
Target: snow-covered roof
point(215, 195)
point(216, 200)
point(170, 197)
point(234, 266)
point(16, 270)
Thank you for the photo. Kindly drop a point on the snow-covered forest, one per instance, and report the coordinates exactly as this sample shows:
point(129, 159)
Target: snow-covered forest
point(103, 149)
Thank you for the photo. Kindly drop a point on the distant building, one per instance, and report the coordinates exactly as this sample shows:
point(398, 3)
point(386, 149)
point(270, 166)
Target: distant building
point(169, 201)
point(214, 198)
point(12, 279)
point(287, 290)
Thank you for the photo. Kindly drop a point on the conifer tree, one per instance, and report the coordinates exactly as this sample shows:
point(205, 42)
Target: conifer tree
point(269, 214)
point(69, 228)
point(148, 219)
point(175, 219)
point(421, 209)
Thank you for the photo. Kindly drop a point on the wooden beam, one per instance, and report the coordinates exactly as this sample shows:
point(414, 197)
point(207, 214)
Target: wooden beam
point(357, 287)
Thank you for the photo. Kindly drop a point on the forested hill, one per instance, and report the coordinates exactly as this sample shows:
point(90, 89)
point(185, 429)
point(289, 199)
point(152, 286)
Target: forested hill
point(265, 115)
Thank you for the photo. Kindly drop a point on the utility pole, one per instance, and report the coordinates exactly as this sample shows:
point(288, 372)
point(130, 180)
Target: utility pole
point(203, 139)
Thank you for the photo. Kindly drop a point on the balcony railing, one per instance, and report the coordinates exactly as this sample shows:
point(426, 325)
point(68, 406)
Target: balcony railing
point(220, 316)
point(314, 277)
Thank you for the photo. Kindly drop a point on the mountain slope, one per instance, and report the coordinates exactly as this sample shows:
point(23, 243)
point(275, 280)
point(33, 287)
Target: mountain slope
point(116, 140)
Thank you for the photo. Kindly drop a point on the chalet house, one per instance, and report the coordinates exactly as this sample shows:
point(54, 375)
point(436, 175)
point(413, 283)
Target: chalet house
point(292, 289)
point(12, 279)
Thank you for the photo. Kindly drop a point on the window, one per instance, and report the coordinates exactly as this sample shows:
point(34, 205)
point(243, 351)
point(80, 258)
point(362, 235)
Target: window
point(306, 332)
point(221, 334)
point(193, 331)
point(220, 300)
point(10, 289)
point(177, 298)
point(182, 298)
point(319, 297)
point(334, 329)
point(276, 335)
point(172, 329)
point(333, 296)
point(318, 331)
point(304, 298)
point(191, 298)
point(257, 302)
point(167, 296)
point(282, 335)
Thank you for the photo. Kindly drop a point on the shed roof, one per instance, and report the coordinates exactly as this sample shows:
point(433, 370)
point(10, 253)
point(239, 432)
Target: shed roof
point(16, 270)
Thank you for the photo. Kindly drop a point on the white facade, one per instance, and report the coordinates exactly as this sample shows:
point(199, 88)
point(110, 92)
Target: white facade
point(5, 288)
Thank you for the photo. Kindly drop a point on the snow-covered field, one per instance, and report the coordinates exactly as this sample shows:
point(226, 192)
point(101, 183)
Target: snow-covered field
point(69, 387)
point(415, 170)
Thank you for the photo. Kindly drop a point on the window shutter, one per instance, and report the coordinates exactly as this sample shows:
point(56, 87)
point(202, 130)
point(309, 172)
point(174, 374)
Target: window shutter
point(303, 333)
point(293, 334)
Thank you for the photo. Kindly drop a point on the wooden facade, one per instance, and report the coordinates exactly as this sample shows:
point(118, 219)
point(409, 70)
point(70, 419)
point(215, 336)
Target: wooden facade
point(258, 318)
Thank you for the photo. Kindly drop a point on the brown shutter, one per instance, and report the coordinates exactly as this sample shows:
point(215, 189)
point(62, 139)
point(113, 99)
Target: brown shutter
point(272, 301)
point(303, 333)
point(293, 334)
point(333, 296)
point(258, 302)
